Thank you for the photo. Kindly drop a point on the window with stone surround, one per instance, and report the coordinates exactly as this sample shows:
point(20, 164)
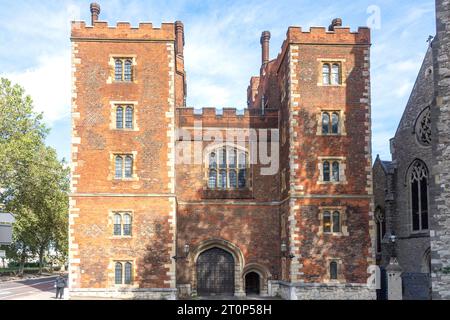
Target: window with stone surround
point(332, 170)
point(123, 273)
point(122, 224)
point(331, 73)
point(124, 116)
point(333, 221)
point(123, 69)
point(335, 270)
point(227, 169)
point(418, 182)
point(123, 166)
point(331, 123)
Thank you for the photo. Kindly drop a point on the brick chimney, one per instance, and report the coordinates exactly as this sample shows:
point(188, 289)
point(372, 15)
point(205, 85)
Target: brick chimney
point(265, 44)
point(179, 33)
point(335, 23)
point(95, 11)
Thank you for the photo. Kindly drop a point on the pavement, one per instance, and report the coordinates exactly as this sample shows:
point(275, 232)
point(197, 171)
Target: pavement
point(29, 289)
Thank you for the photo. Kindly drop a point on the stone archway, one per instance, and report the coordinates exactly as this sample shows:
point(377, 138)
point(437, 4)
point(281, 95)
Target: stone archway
point(218, 245)
point(252, 284)
point(263, 276)
point(215, 273)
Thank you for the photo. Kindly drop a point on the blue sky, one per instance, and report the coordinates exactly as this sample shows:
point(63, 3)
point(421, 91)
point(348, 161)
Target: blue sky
point(222, 48)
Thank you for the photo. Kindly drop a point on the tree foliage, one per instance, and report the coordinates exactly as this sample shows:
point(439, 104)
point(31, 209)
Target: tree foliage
point(34, 185)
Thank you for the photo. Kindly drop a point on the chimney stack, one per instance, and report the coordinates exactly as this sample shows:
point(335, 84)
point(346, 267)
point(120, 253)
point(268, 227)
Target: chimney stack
point(179, 33)
point(95, 11)
point(335, 23)
point(265, 42)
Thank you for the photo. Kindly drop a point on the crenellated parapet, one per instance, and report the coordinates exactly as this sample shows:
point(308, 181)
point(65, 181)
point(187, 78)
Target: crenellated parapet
point(122, 30)
point(228, 117)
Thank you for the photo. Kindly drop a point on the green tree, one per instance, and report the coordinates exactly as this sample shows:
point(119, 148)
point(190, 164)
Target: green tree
point(34, 185)
point(21, 130)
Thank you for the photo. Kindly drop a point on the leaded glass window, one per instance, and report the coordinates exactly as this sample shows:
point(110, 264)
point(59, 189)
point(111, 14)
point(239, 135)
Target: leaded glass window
point(117, 225)
point(129, 118)
point(327, 222)
point(127, 225)
point(227, 169)
point(336, 177)
point(118, 273)
point(419, 196)
point(336, 222)
point(326, 74)
point(119, 118)
point(335, 123)
point(123, 69)
point(325, 123)
point(336, 74)
point(128, 167)
point(119, 167)
point(326, 171)
point(128, 272)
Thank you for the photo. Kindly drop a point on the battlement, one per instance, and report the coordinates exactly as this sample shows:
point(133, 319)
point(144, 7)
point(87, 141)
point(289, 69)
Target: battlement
point(320, 35)
point(123, 30)
point(228, 117)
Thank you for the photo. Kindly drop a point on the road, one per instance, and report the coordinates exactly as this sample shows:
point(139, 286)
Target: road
point(32, 289)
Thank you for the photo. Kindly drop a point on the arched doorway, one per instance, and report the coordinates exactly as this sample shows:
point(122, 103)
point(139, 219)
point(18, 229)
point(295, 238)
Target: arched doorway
point(252, 284)
point(215, 273)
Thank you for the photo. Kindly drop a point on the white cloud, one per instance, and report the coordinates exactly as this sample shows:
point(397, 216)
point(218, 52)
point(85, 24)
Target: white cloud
point(49, 85)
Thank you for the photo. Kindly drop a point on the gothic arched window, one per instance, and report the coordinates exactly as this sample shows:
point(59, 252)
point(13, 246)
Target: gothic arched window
point(325, 123)
point(336, 174)
point(326, 71)
point(128, 74)
point(381, 227)
point(227, 168)
point(129, 118)
point(119, 167)
point(127, 225)
point(423, 127)
point(326, 171)
point(336, 74)
point(118, 273)
point(128, 273)
point(335, 123)
point(117, 225)
point(119, 118)
point(419, 196)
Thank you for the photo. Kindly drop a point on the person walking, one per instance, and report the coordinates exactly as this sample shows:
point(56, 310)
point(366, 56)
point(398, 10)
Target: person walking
point(60, 284)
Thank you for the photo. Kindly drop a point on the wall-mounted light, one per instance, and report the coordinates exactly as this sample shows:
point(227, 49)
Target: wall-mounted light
point(186, 249)
point(284, 247)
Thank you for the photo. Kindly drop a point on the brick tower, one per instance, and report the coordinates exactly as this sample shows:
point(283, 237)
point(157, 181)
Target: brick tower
point(126, 83)
point(275, 200)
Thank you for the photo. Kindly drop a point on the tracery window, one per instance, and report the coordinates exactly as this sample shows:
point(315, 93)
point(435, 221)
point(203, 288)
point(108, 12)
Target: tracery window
point(419, 196)
point(423, 127)
point(381, 227)
point(227, 169)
